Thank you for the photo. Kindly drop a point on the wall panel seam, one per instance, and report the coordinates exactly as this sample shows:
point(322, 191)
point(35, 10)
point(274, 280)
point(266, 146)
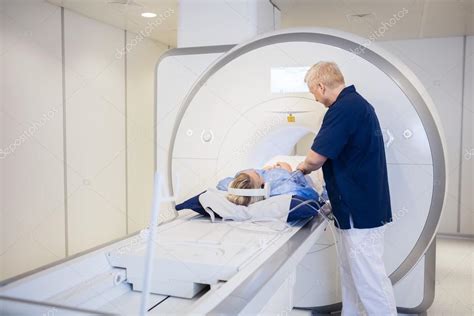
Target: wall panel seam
point(63, 62)
point(126, 130)
point(461, 156)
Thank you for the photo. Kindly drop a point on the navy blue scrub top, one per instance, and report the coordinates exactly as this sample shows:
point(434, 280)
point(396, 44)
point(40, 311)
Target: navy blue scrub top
point(355, 171)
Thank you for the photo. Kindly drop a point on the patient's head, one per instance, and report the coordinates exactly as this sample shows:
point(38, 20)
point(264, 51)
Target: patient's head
point(248, 179)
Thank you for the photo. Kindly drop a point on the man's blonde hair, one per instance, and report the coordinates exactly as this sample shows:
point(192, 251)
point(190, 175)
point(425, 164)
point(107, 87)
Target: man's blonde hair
point(243, 181)
point(325, 72)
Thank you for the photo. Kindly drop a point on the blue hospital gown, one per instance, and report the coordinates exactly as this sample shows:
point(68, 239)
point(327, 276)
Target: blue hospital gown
point(281, 182)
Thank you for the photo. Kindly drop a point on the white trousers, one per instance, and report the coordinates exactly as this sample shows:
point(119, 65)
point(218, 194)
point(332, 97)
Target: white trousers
point(366, 288)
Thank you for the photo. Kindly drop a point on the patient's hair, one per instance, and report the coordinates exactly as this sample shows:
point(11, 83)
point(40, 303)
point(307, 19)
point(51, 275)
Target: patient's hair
point(243, 181)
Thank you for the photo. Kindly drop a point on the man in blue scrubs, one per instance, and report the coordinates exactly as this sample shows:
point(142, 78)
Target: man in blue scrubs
point(350, 149)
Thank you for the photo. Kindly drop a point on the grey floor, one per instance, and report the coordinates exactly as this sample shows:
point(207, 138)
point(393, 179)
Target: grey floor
point(454, 291)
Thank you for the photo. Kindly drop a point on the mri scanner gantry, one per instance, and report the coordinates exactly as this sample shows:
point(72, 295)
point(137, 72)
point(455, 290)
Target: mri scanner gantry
point(230, 119)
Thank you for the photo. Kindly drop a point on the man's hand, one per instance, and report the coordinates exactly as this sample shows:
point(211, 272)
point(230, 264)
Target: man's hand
point(301, 167)
point(313, 162)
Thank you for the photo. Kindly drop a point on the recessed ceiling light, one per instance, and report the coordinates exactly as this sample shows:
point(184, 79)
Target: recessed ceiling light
point(149, 15)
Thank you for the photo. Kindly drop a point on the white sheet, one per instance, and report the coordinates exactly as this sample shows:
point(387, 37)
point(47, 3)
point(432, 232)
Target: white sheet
point(276, 207)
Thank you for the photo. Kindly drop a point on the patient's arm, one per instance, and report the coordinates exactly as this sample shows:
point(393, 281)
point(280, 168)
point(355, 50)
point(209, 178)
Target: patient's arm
point(313, 162)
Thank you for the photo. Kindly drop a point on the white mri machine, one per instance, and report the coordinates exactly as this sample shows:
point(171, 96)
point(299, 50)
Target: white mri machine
point(221, 109)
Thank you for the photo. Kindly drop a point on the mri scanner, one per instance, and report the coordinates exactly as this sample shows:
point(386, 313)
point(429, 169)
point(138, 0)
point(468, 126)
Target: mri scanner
point(221, 109)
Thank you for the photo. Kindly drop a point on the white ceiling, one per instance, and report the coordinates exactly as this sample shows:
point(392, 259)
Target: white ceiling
point(422, 18)
point(126, 14)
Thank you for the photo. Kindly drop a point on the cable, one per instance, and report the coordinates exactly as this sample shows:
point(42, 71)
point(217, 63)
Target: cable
point(329, 224)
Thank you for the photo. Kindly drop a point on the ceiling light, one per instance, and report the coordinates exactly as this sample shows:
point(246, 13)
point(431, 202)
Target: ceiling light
point(149, 15)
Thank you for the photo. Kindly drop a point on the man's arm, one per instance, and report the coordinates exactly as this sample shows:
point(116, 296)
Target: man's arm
point(313, 162)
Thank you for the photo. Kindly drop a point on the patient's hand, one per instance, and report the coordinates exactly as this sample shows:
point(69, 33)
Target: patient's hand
point(281, 165)
point(284, 165)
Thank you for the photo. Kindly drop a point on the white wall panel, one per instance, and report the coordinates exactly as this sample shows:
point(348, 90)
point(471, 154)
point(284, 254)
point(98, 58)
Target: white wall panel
point(141, 61)
point(438, 64)
point(32, 200)
point(467, 189)
point(32, 212)
point(95, 132)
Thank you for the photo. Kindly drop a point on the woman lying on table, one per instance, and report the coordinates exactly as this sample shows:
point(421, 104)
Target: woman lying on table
point(281, 180)
point(280, 177)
